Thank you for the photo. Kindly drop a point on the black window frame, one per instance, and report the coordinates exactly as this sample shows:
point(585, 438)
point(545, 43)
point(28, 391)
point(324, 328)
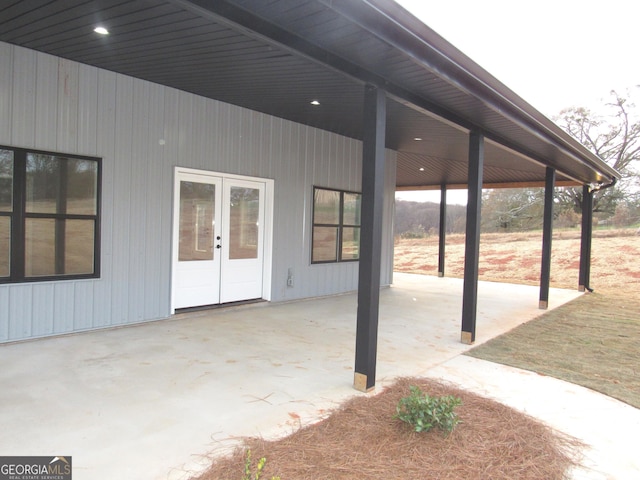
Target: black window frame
point(340, 226)
point(19, 215)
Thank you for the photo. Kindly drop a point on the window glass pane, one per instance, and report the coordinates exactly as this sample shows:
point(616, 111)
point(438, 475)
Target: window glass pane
point(6, 181)
point(326, 207)
point(78, 247)
point(197, 222)
point(243, 223)
point(325, 243)
point(351, 214)
point(43, 184)
point(82, 186)
point(5, 246)
point(350, 243)
point(58, 247)
point(40, 247)
point(61, 185)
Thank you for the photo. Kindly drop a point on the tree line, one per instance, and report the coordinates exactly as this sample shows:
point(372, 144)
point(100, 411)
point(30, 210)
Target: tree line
point(613, 134)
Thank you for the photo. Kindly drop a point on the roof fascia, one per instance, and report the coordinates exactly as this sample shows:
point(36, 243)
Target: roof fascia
point(402, 30)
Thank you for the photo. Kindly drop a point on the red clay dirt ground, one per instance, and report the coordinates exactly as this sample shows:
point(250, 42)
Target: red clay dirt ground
point(516, 258)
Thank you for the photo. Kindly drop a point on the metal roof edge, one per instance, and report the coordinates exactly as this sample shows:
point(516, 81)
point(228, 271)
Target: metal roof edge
point(479, 82)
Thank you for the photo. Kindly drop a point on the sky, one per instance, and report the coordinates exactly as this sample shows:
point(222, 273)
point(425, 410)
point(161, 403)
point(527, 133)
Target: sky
point(553, 54)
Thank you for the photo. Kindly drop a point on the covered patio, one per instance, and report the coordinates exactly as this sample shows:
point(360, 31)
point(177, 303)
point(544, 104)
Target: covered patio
point(151, 401)
point(415, 112)
point(353, 96)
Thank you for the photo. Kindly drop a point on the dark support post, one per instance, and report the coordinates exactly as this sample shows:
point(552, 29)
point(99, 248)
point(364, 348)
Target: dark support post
point(373, 160)
point(547, 232)
point(443, 229)
point(585, 243)
point(472, 241)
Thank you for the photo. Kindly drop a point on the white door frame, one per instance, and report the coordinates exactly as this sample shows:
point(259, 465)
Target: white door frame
point(268, 226)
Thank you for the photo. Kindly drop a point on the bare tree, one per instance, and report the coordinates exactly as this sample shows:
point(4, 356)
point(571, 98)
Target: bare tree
point(512, 209)
point(418, 219)
point(615, 138)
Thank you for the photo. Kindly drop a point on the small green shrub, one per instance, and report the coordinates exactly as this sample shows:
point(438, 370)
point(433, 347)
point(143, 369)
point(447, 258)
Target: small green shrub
point(424, 412)
point(247, 468)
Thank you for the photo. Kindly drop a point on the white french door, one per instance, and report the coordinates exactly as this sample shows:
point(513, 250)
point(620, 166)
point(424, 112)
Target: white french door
point(243, 234)
point(197, 226)
point(219, 239)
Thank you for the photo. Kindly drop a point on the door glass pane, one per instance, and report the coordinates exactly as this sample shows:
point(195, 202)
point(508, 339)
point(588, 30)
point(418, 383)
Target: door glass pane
point(243, 223)
point(6, 181)
point(197, 222)
point(61, 185)
point(350, 243)
point(325, 244)
point(5, 245)
point(326, 207)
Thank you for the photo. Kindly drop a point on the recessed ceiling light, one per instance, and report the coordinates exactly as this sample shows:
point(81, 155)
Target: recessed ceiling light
point(417, 139)
point(315, 102)
point(101, 30)
point(421, 169)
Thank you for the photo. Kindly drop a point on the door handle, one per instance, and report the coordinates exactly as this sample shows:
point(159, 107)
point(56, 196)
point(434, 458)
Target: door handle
point(218, 246)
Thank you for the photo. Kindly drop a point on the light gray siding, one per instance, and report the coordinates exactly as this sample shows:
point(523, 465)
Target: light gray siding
point(142, 131)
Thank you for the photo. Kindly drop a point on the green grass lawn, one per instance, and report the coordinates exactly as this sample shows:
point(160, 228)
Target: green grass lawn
point(591, 341)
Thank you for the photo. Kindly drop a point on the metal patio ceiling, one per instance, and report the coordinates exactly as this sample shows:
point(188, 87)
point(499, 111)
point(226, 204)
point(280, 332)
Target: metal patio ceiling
point(275, 56)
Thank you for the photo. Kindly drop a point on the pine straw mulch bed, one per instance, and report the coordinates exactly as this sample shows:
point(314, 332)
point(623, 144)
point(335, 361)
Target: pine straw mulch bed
point(362, 440)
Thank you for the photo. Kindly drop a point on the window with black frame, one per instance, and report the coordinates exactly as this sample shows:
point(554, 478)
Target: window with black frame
point(336, 226)
point(49, 215)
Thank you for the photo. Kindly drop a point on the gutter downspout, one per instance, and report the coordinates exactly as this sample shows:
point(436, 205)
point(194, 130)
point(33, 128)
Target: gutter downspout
point(585, 246)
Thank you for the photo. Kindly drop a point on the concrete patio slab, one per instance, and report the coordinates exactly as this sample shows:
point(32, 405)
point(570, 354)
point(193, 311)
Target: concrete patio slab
point(609, 427)
point(152, 401)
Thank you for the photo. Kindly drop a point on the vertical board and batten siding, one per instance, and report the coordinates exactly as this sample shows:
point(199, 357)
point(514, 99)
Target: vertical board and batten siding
point(142, 131)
